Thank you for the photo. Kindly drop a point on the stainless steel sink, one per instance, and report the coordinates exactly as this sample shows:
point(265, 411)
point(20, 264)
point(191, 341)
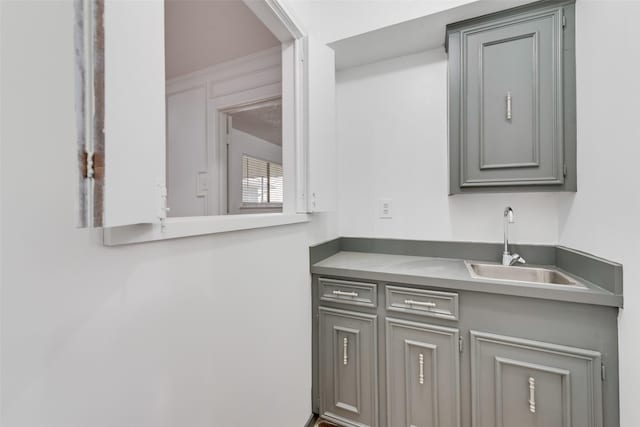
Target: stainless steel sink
point(545, 276)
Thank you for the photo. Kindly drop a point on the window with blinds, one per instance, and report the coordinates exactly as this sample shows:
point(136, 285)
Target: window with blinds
point(262, 183)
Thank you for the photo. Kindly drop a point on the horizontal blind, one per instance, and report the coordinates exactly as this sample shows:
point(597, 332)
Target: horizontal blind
point(275, 183)
point(262, 181)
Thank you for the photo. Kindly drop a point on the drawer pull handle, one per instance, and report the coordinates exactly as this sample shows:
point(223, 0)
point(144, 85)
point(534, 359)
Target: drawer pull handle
point(421, 364)
point(345, 294)
point(345, 347)
point(532, 395)
point(509, 101)
point(420, 303)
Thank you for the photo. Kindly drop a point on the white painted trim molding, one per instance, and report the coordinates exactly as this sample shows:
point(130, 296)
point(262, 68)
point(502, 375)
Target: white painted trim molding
point(244, 67)
point(196, 226)
point(277, 18)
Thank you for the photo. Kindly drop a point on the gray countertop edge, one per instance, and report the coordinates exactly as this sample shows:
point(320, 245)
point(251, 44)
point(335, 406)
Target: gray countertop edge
point(582, 296)
point(604, 273)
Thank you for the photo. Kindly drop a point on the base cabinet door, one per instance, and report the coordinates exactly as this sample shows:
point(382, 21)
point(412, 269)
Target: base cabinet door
point(523, 383)
point(423, 377)
point(348, 367)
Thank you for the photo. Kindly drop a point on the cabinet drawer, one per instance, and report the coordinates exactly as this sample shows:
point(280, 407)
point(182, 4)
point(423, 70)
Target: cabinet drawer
point(345, 292)
point(443, 305)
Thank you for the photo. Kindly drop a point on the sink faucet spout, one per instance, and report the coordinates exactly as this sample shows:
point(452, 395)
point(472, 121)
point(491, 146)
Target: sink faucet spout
point(507, 258)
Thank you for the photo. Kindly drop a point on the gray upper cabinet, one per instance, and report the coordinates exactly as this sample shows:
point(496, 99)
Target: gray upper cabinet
point(348, 362)
point(423, 375)
point(512, 100)
point(524, 383)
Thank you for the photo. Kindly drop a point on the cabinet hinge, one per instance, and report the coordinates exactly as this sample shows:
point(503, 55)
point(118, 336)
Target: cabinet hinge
point(564, 21)
point(603, 372)
point(564, 170)
point(92, 165)
point(164, 209)
point(460, 344)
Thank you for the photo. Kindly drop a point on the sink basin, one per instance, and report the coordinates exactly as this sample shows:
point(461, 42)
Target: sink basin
point(545, 276)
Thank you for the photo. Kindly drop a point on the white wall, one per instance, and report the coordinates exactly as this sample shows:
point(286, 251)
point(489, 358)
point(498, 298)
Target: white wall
point(392, 143)
point(179, 333)
point(603, 216)
point(187, 153)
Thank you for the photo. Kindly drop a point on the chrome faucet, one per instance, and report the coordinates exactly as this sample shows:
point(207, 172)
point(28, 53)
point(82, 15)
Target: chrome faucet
point(508, 258)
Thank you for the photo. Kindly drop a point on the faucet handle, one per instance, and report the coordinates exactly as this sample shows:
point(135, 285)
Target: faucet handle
point(517, 258)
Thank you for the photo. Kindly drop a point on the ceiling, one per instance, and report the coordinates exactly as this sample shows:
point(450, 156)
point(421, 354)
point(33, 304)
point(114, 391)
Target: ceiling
point(203, 33)
point(264, 123)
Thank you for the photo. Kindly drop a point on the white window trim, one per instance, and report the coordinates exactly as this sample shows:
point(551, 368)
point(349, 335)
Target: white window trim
point(280, 21)
point(254, 206)
point(197, 226)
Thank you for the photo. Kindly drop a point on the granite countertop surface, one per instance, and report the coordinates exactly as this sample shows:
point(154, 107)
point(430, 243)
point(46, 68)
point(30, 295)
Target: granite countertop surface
point(452, 274)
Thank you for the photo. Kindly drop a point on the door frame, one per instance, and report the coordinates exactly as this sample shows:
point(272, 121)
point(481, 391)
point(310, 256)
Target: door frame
point(218, 110)
point(225, 124)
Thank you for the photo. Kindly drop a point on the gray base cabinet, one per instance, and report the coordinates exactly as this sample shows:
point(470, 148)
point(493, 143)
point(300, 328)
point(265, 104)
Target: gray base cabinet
point(396, 355)
point(348, 362)
point(423, 375)
point(523, 383)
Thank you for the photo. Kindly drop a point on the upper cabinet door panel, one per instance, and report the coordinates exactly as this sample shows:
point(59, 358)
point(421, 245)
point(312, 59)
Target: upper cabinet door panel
point(509, 71)
point(510, 89)
point(512, 102)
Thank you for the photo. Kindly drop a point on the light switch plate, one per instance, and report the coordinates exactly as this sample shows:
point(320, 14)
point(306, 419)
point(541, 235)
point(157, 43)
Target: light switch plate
point(385, 208)
point(202, 186)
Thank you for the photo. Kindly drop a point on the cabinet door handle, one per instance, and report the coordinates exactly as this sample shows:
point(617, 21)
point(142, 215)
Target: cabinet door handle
point(421, 366)
point(420, 303)
point(345, 294)
point(509, 100)
point(532, 395)
point(345, 350)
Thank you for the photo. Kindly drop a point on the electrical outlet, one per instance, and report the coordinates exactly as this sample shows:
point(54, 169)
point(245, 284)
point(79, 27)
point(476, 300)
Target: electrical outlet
point(385, 208)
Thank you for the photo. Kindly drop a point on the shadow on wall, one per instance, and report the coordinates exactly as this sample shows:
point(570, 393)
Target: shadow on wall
point(392, 65)
point(565, 206)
